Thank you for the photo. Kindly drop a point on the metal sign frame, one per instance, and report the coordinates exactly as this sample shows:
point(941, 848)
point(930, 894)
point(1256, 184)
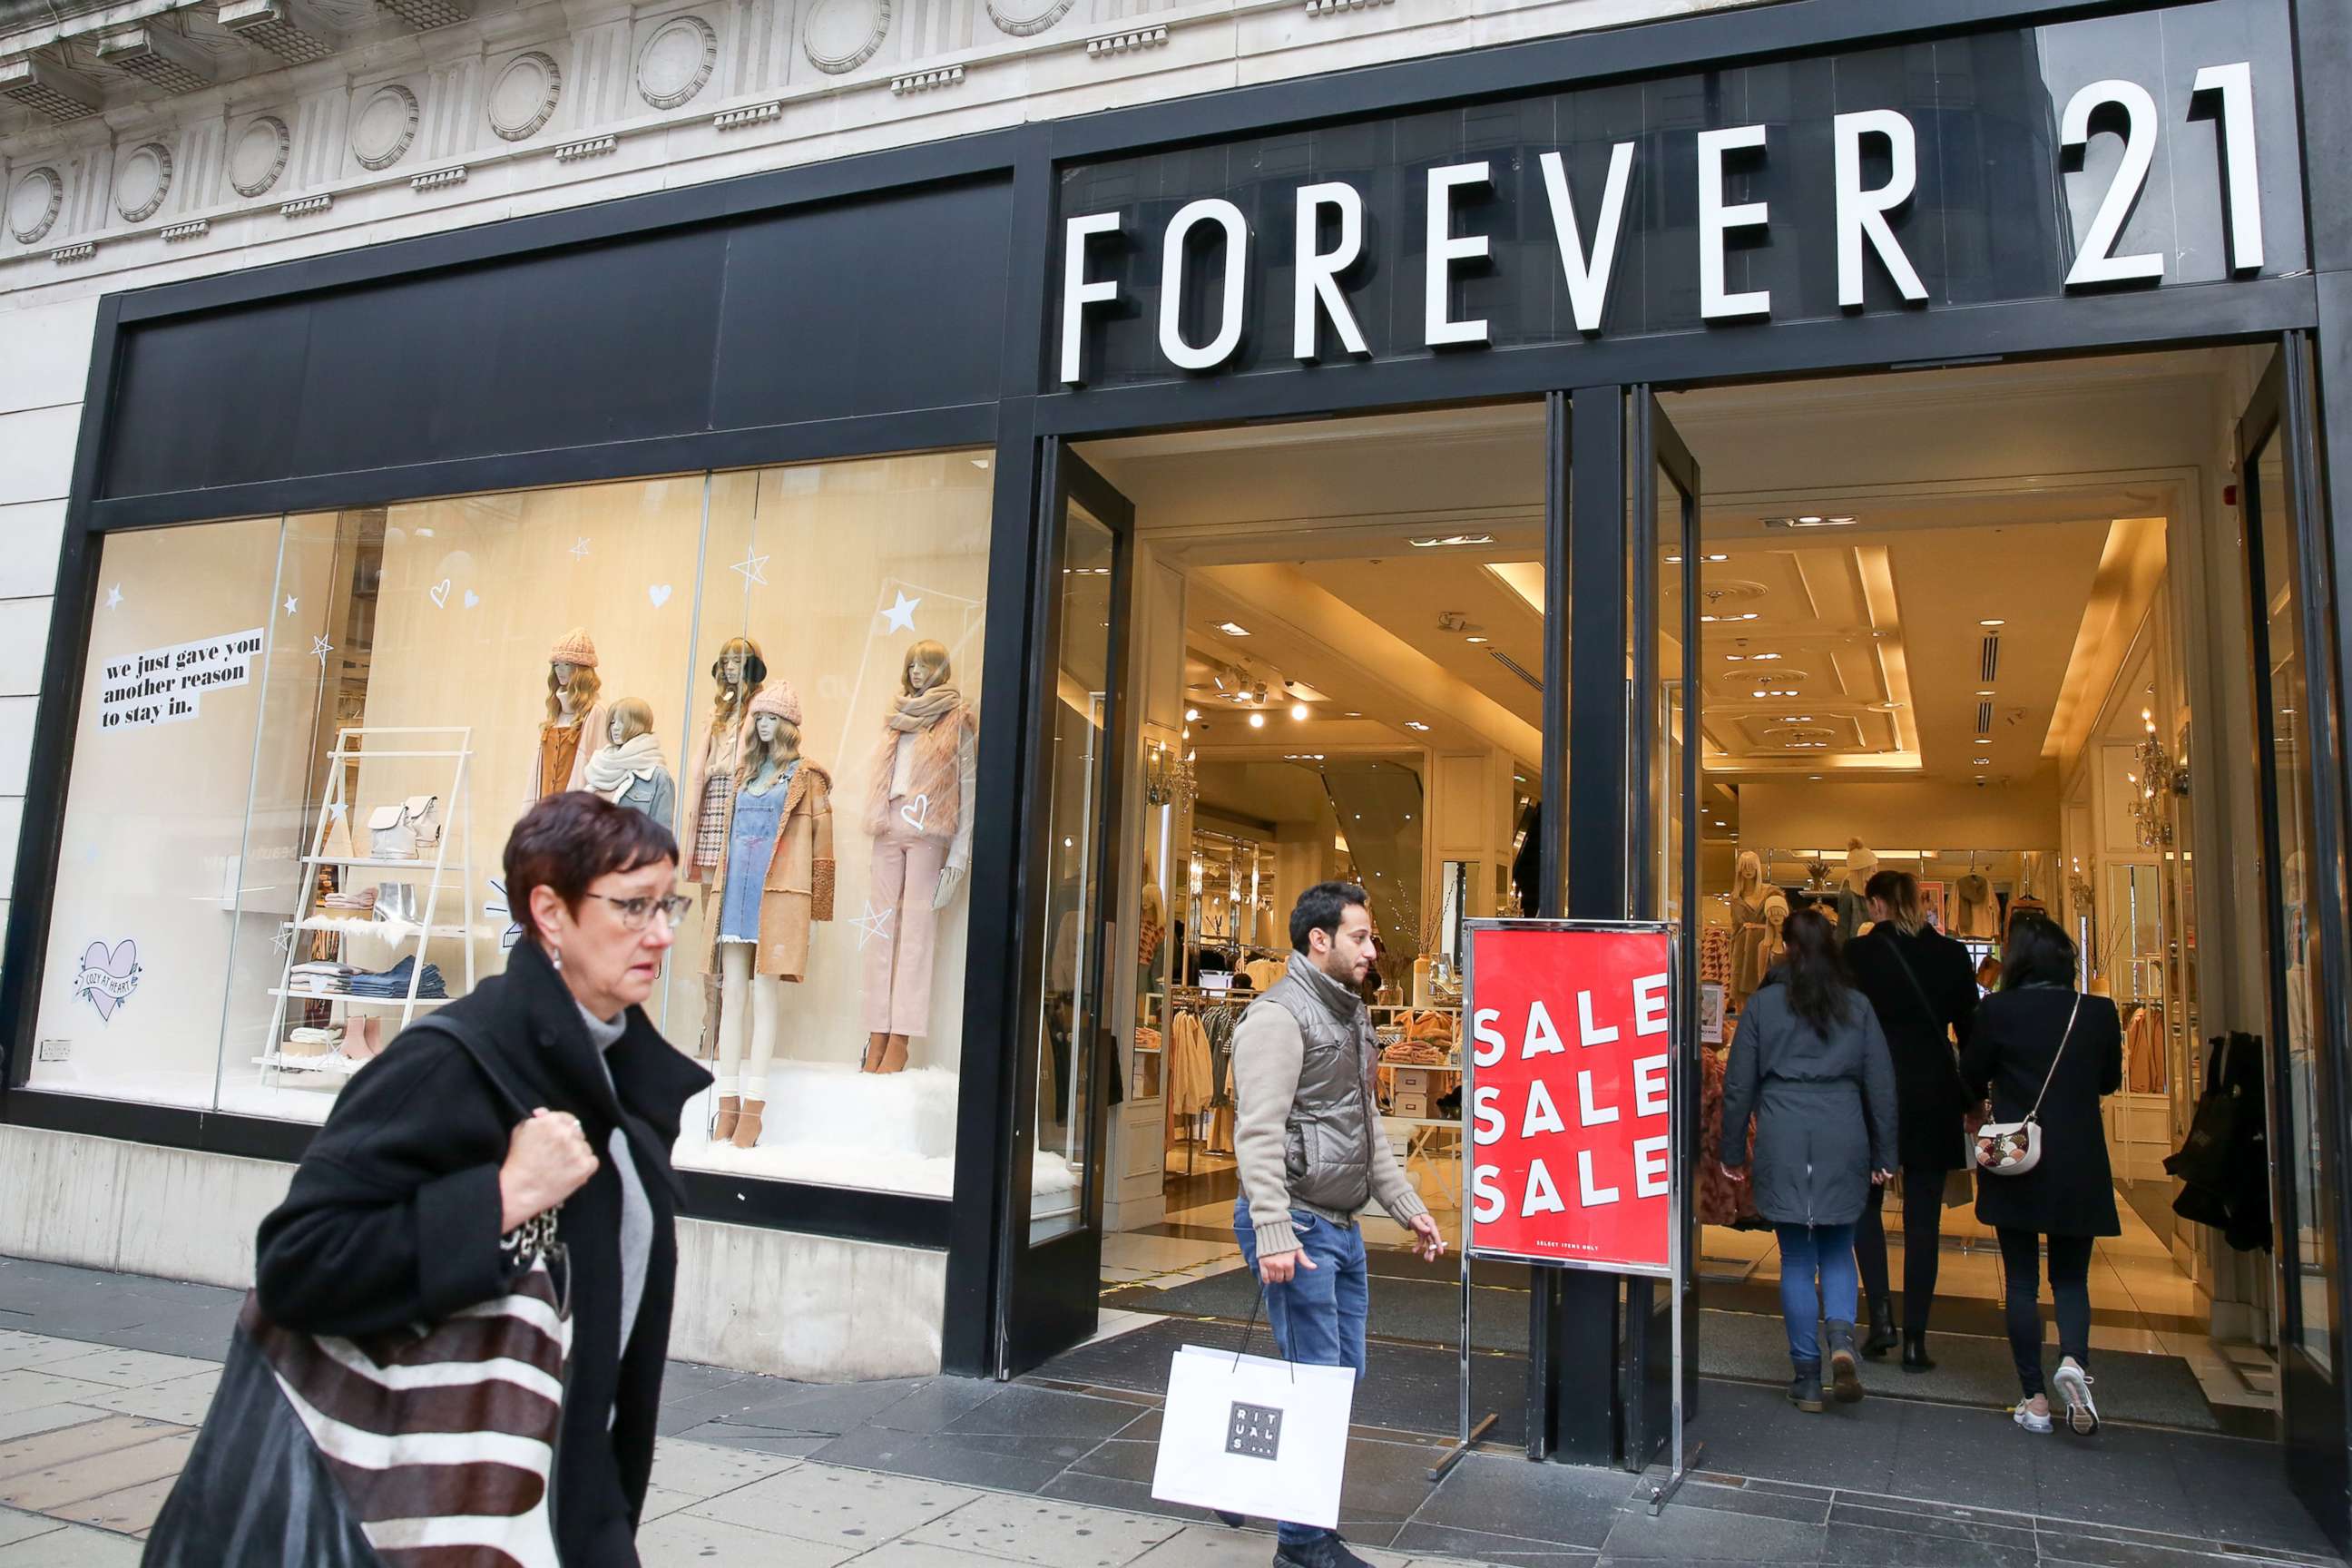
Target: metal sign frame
point(1679, 1043)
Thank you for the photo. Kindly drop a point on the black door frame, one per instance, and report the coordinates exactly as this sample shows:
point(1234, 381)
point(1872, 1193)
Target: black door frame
point(2314, 1413)
point(1048, 1294)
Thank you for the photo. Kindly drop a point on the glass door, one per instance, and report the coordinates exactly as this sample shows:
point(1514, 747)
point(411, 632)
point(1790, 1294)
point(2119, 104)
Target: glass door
point(2303, 917)
point(1663, 555)
point(1065, 1054)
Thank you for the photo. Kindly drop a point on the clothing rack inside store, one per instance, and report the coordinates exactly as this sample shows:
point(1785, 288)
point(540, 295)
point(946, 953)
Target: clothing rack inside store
point(1197, 1050)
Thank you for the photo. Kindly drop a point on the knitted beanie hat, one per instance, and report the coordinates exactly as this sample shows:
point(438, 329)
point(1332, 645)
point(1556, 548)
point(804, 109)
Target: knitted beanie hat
point(576, 649)
point(780, 699)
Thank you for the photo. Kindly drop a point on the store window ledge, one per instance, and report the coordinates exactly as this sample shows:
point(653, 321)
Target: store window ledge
point(853, 1214)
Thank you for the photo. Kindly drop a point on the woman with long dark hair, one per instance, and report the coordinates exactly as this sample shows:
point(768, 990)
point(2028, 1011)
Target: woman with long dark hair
point(1810, 1066)
point(1923, 989)
point(2045, 1049)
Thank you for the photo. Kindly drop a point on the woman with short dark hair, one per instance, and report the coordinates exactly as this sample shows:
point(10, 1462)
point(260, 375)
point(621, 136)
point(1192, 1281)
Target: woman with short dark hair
point(1809, 1065)
point(2041, 1047)
point(404, 1208)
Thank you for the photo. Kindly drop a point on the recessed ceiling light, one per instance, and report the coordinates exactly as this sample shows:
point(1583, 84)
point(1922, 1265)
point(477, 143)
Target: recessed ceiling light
point(1474, 639)
point(1984, 761)
point(1813, 522)
point(1814, 777)
point(1984, 691)
point(1232, 630)
point(1298, 710)
point(1763, 658)
point(1993, 623)
point(1735, 657)
point(1796, 718)
point(1416, 724)
point(1716, 558)
point(980, 463)
point(1674, 560)
point(1453, 539)
point(1192, 715)
point(1351, 714)
point(1257, 720)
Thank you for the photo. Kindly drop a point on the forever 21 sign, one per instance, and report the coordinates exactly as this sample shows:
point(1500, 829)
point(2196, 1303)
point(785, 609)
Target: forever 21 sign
point(2067, 191)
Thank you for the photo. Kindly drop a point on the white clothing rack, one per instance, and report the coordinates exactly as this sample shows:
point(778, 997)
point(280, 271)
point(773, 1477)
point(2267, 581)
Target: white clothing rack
point(412, 742)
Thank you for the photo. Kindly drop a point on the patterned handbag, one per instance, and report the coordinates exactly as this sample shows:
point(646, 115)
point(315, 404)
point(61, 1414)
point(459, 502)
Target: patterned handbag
point(426, 1448)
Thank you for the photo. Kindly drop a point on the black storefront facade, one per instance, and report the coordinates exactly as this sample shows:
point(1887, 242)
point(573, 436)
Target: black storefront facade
point(1788, 190)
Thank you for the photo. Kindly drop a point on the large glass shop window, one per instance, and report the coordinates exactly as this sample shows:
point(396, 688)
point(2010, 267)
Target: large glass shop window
point(302, 742)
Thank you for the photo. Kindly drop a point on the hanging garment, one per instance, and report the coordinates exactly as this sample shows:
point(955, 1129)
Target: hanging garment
point(2024, 907)
point(1719, 1200)
point(1714, 955)
point(2144, 1051)
point(1976, 912)
point(1748, 938)
point(1265, 972)
point(2224, 1166)
point(1190, 1080)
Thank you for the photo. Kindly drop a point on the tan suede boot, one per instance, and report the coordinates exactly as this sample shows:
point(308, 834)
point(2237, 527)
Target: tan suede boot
point(893, 1057)
point(747, 1127)
point(876, 1045)
point(724, 1128)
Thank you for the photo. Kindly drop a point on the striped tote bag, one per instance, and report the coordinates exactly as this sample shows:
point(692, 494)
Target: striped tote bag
point(431, 1447)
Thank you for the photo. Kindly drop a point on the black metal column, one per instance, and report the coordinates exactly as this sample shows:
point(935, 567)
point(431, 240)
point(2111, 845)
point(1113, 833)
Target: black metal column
point(1575, 1407)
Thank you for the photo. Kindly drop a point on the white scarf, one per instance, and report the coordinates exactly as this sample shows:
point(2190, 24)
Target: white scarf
point(613, 769)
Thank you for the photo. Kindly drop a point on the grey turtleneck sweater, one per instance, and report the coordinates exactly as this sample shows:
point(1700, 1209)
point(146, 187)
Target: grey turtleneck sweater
point(636, 1213)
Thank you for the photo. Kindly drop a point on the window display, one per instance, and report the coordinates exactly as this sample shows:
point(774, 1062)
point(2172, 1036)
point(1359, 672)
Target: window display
point(325, 693)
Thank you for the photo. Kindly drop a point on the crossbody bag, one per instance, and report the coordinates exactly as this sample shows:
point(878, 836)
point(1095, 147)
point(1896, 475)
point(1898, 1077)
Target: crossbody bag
point(2013, 1148)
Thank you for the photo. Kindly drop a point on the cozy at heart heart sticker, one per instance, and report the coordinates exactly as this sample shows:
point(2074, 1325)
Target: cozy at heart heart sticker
point(659, 593)
point(439, 593)
point(109, 976)
point(916, 811)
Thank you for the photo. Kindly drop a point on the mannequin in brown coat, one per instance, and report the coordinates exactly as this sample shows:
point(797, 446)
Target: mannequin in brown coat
point(768, 909)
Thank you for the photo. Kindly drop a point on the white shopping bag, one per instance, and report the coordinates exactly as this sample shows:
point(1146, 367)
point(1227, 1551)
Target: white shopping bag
point(1267, 1438)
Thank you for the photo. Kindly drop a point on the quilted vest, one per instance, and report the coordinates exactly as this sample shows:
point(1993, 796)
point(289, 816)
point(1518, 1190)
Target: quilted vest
point(1327, 1139)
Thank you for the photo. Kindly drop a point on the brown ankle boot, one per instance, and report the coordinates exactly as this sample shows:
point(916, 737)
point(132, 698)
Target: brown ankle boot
point(746, 1126)
point(724, 1128)
point(894, 1056)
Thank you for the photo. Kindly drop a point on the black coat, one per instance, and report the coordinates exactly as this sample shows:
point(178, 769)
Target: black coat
point(1823, 1104)
point(2070, 1192)
point(393, 1219)
point(1928, 1091)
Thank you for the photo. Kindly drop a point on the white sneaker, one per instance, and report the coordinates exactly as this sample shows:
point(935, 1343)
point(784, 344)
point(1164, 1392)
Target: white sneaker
point(2024, 1416)
point(2082, 1415)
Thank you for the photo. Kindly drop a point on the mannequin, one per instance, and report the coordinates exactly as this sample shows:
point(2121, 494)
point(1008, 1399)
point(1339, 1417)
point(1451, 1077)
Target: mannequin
point(1775, 946)
point(741, 674)
point(575, 722)
point(1852, 905)
point(1154, 930)
point(629, 769)
point(1747, 925)
point(920, 814)
point(774, 880)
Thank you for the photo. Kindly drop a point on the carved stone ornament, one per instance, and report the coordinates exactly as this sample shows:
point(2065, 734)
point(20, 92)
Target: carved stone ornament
point(523, 97)
point(34, 205)
point(1027, 18)
point(142, 182)
point(259, 156)
point(842, 34)
point(677, 61)
point(385, 128)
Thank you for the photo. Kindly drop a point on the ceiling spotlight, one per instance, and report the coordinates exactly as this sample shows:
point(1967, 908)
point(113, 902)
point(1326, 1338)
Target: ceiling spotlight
point(1993, 623)
point(1233, 630)
point(1762, 657)
point(1257, 720)
point(1192, 715)
point(1453, 539)
point(1674, 560)
point(1715, 558)
point(1416, 724)
point(1816, 778)
point(1984, 691)
point(1984, 761)
point(1813, 522)
point(1474, 639)
point(1298, 710)
point(1257, 692)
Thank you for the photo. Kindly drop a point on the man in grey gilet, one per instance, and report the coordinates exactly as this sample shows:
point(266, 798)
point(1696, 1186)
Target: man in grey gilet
point(1312, 1155)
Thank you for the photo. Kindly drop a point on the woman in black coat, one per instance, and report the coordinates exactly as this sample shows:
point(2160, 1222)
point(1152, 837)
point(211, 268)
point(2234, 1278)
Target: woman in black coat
point(2037, 1030)
point(1809, 1064)
point(397, 1212)
point(1923, 987)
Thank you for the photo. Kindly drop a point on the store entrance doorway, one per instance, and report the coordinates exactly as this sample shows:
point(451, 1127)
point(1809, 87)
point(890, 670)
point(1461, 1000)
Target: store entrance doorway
point(1993, 627)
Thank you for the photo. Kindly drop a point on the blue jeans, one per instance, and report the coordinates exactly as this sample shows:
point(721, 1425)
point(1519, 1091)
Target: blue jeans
point(1807, 1252)
point(1318, 1318)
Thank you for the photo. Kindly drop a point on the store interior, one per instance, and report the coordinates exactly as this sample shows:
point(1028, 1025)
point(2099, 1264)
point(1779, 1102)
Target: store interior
point(1987, 625)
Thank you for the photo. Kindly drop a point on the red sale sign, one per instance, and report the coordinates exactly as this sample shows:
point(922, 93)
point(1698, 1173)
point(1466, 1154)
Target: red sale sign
point(1569, 1094)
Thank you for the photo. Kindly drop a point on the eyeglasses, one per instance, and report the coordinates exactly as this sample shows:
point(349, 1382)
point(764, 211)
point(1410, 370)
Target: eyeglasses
point(635, 912)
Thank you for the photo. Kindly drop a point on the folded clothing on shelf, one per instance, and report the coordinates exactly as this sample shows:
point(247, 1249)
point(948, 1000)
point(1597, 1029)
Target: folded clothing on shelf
point(365, 899)
point(392, 985)
point(306, 1042)
point(320, 978)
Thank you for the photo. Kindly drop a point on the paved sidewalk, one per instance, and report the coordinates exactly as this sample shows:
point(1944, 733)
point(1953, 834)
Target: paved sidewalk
point(103, 1378)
